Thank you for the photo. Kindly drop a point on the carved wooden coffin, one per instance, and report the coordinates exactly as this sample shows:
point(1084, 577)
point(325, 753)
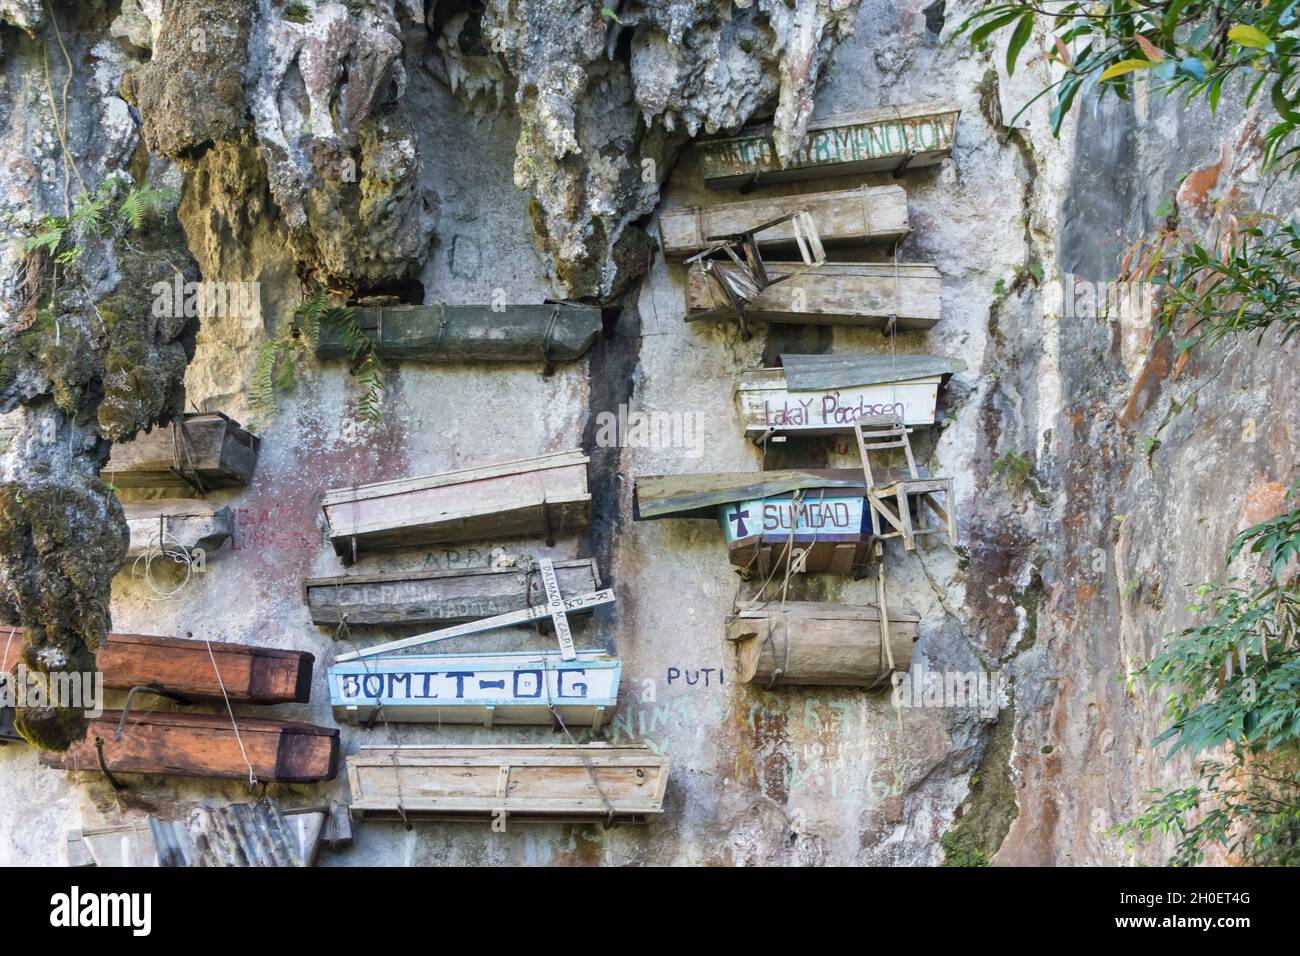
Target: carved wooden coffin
point(177, 524)
point(205, 745)
point(439, 597)
point(545, 332)
point(834, 293)
point(865, 214)
point(895, 138)
point(819, 643)
point(832, 532)
point(583, 782)
point(793, 400)
point(523, 687)
point(243, 834)
point(534, 496)
point(189, 669)
point(203, 450)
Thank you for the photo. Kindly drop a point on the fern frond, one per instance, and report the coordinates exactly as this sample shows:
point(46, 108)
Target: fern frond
point(142, 201)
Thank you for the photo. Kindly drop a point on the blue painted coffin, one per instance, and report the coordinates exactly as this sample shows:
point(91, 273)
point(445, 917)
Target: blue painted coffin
point(523, 687)
point(828, 518)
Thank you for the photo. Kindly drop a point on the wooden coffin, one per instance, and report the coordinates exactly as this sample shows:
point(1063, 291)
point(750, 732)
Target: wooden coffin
point(187, 669)
point(244, 834)
point(582, 782)
point(700, 495)
point(534, 496)
point(182, 523)
point(205, 745)
point(546, 332)
point(438, 597)
point(769, 402)
point(204, 451)
point(524, 687)
point(834, 293)
point(894, 138)
point(865, 214)
point(819, 643)
point(827, 532)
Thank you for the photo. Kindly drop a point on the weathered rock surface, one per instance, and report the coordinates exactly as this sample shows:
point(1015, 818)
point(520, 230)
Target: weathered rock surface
point(607, 95)
point(1061, 585)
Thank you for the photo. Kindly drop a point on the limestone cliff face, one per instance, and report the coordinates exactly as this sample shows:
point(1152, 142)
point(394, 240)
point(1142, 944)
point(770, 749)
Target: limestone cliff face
point(449, 150)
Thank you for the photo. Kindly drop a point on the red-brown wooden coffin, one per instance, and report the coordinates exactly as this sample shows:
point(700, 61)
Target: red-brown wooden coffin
point(184, 668)
point(205, 745)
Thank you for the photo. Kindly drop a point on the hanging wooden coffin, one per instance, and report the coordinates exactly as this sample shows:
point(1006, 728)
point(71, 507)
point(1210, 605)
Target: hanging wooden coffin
point(188, 669)
point(525, 687)
point(181, 524)
point(243, 834)
point(834, 293)
point(204, 451)
point(439, 597)
point(866, 214)
point(819, 643)
point(895, 138)
point(545, 332)
point(584, 782)
point(822, 532)
point(205, 745)
point(823, 394)
point(534, 496)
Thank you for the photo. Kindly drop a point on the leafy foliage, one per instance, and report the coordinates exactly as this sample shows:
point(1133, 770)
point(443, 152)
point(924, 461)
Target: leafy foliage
point(294, 342)
point(1190, 46)
point(1013, 470)
point(1234, 679)
point(1249, 286)
point(62, 238)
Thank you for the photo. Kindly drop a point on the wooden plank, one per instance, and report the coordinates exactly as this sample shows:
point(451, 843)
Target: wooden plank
point(583, 782)
point(205, 745)
point(767, 405)
point(761, 557)
point(576, 604)
point(204, 450)
point(438, 597)
point(531, 497)
point(885, 138)
point(524, 687)
point(835, 293)
point(866, 214)
point(698, 495)
point(181, 523)
point(816, 643)
point(184, 667)
point(542, 332)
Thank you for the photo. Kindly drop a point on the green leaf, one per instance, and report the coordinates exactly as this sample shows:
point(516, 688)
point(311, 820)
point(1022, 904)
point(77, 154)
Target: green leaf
point(981, 33)
point(1123, 67)
point(1248, 36)
point(1019, 37)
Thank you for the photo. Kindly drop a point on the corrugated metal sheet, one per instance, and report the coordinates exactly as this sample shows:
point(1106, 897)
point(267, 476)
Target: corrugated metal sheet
point(244, 834)
point(700, 495)
point(825, 372)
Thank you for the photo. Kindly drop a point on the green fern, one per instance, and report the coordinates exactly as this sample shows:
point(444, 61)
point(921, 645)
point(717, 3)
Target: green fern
point(281, 357)
point(142, 201)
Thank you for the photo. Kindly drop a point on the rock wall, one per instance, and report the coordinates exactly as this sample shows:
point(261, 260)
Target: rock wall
point(505, 151)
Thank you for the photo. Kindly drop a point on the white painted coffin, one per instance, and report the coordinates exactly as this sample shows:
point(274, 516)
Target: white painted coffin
point(524, 687)
point(181, 523)
point(767, 405)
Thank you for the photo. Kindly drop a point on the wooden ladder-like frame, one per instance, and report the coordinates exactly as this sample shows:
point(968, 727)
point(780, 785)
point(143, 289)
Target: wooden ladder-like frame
point(889, 502)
